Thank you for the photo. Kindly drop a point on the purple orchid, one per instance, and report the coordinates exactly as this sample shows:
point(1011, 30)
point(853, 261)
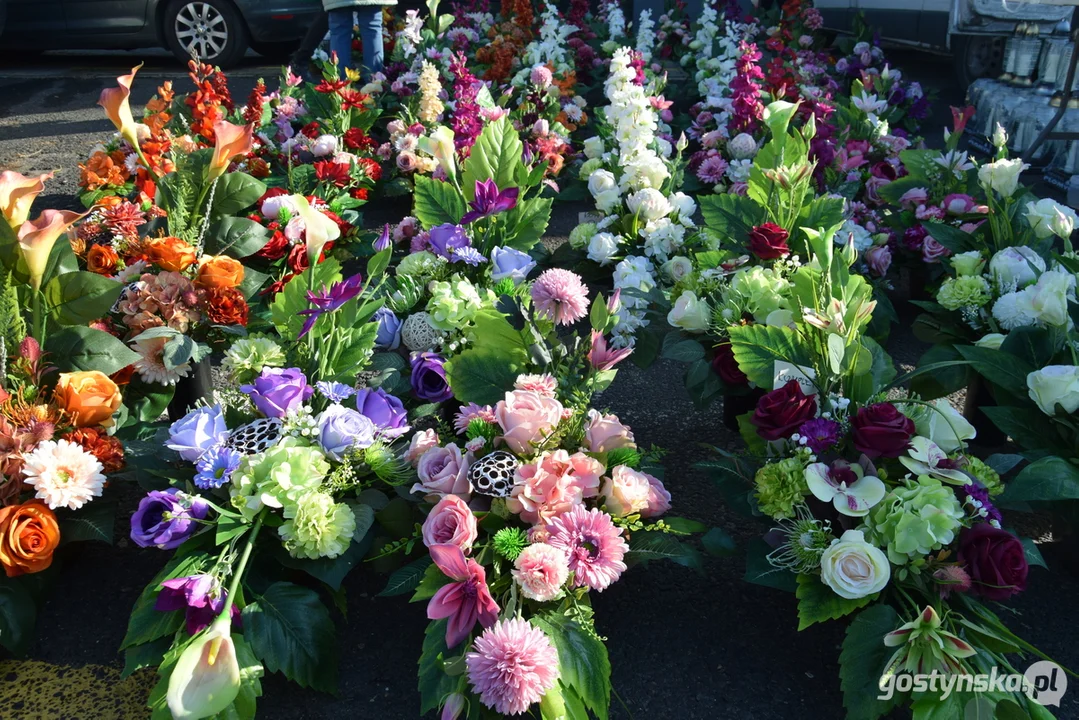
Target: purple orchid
point(490, 201)
point(330, 300)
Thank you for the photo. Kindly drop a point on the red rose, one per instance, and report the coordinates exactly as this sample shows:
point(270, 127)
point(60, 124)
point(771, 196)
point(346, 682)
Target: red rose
point(297, 257)
point(311, 129)
point(371, 168)
point(782, 411)
point(768, 241)
point(275, 248)
point(995, 560)
point(357, 139)
point(880, 430)
point(724, 365)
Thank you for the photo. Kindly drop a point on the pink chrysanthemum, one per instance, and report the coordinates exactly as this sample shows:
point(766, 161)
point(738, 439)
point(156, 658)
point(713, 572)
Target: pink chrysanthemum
point(512, 666)
point(560, 296)
point(471, 412)
point(593, 543)
point(544, 384)
point(711, 170)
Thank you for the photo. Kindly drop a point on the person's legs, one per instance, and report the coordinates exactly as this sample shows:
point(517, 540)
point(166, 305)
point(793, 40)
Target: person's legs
point(301, 60)
point(341, 36)
point(370, 21)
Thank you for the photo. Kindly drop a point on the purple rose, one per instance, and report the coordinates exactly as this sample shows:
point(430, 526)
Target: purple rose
point(933, 251)
point(202, 597)
point(341, 428)
point(198, 431)
point(277, 391)
point(166, 518)
point(384, 410)
point(510, 263)
point(995, 560)
point(429, 378)
point(447, 238)
point(389, 329)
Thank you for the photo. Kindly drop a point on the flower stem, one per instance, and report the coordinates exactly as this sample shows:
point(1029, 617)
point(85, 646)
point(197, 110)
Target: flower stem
point(244, 557)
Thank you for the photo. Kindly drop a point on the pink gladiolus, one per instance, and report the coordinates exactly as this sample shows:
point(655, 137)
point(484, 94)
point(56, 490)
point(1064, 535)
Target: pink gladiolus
point(465, 601)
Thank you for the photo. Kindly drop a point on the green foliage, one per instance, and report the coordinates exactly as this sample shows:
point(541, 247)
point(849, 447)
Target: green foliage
point(406, 579)
point(93, 522)
point(236, 237)
point(495, 155)
point(760, 572)
point(645, 546)
point(18, 615)
point(582, 658)
point(434, 683)
point(862, 662)
point(1048, 480)
point(1008, 372)
point(79, 298)
point(436, 202)
point(233, 193)
point(732, 215)
point(817, 602)
point(12, 323)
point(526, 223)
point(758, 347)
point(146, 624)
point(83, 348)
point(293, 297)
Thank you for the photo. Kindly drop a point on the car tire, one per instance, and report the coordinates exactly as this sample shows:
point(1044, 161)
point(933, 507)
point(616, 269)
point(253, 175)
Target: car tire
point(977, 56)
point(211, 29)
point(276, 51)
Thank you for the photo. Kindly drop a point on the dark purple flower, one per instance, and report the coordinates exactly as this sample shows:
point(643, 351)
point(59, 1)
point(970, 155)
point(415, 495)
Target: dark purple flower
point(330, 300)
point(201, 597)
point(429, 378)
point(820, 434)
point(447, 238)
point(897, 96)
point(278, 390)
point(384, 410)
point(977, 497)
point(490, 201)
point(995, 560)
point(383, 240)
point(166, 518)
point(920, 109)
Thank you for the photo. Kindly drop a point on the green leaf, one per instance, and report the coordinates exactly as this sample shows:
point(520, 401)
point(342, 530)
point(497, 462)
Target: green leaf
point(862, 661)
point(1034, 345)
point(291, 631)
point(378, 264)
point(952, 237)
point(495, 156)
point(1028, 427)
point(683, 350)
point(432, 581)
point(817, 602)
point(1048, 480)
point(434, 683)
point(760, 572)
point(646, 546)
point(293, 297)
point(78, 298)
point(147, 624)
point(942, 382)
point(1004, 370)
point(406, 579)
point(526, 223)
point(718, 542)
point(483, 374)
point(437, 202)
point(757, 347)
point(732, 215)
point(83, 348)
point(18, 613)
point(234, 192)
point(582, 658)
point(145, 656)
point(237, 237)
point(146, 401)
point(92, 522)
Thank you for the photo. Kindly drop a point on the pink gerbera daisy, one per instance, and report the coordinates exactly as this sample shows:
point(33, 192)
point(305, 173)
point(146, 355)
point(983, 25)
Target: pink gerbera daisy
point(512, 666)
point(593, 543)
point(561, 296)
point(471, 412)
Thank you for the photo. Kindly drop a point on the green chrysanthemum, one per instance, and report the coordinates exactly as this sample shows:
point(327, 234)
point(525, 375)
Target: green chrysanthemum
point(317, 527)
point(580, 235)
point(248, 356)
point(510, 542)
point(278, 477)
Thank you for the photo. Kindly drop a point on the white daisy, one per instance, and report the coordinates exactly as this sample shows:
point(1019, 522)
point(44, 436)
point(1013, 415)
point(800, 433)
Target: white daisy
point(151, 365)
point(63, 474)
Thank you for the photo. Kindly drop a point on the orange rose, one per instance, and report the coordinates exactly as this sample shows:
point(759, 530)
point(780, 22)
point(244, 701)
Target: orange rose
point(89, 397)
point(220, 271)
point(170, 253)
point(28, 536)
point(102, 259)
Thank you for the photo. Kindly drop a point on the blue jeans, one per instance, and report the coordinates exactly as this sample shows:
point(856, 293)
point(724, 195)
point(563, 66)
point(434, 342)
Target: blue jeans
point(370, 23)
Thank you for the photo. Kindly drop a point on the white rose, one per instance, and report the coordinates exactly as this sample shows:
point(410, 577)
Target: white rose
point(993, 341)
point(1048, 217)
point(943, 424)
point(853, 568)
point(968, 263)
point(684, 205)
point(1055, 385)
point(593, 147)
point(608, 200)
point(601, 181)
point(1016, 267)
point(676, 268)
point(648, 204)
point(1050, 295)
point(602, 248)
point(1002, 176)
point(324, 145)
point(690, 313)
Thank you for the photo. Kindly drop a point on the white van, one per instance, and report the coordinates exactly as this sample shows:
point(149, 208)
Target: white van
point(972, 31)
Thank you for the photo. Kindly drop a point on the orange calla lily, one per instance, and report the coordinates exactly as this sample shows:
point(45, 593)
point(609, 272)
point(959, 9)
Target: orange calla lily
point(232, 140)
point(117, 104)
point(17, 193)
point(36, 238)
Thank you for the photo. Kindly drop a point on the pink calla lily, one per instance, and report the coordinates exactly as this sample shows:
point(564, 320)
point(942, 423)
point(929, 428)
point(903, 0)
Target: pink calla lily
point(37, 237)
point(117, 104)
point(231, 140)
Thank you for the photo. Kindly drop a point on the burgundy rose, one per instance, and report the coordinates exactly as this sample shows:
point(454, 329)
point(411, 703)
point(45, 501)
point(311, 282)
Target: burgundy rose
point(913, 237)
point(781, 412)
point(994, 560)
point(724, 365)
point(880, 430)
point(768, 241)
point(883, 169)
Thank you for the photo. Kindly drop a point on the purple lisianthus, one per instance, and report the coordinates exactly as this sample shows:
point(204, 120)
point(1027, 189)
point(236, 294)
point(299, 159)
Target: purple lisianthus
point(429, 377)
point(820, 434)
point(444, 239)
point(490, 201)
point(341, 428)
point(510, 263)
point(202, 597)
point(216, 466)
point(198, 431)
point(384, 410)
point(389, 329)
point(166, 518)
point(277, 391)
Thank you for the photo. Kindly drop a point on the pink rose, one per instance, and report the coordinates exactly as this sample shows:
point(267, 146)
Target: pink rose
point(526, 418)
point(872, 189)
point(553, 484)
point(450, 522)
point(933, 251)
point(422, 441)
point(444, 471)
point(659, 499)
point(626, 491)
point(605, 433)
point(541, 571)
point(879, 259)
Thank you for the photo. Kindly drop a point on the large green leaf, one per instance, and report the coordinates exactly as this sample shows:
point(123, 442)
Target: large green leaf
point(1027, 426)
point(862, 661)
point(732, 215)
point(758, 347)
point(952, 237)
point(1004, 370)
point(582, 658)
point(146, 401)
point(291, 631)
point(434, 683)
point(78, 298)
point(18, 614)
point(1048, 480)
point(526, 223)
point(495, 155)
point(146, 624)
point(83, 348)
point(1034, 345)
point(817, 602)
point(236, 237)
point(484, 374)
point(944, 381)
point(93, 522)
point(437, 202)
point(406, 579)
point(234, 192)
point(646, 546)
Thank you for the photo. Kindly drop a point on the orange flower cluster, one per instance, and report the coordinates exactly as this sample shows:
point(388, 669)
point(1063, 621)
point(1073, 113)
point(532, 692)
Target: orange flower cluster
point(523, 17)
point(108, 450)
point(209, 101)
point(104, 169)
point(498, 56)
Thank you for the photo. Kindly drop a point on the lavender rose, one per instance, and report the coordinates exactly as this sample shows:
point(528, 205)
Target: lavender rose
point(384, 410)
point(389, 329)
point(166, 518)
point(277, 391)
point(341, 428)
point(444, 471)
point(198, 431)
point(510, 263)
point(429, 378)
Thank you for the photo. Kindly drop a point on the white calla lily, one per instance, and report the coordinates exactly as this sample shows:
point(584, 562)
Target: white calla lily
point(206, 678)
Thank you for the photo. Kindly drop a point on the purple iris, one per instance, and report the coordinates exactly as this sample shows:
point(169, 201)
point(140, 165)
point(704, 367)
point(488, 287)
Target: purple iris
point(383, 240)
point(490, 201)
point(330, 300)
point(201, 597)
point(444, 239)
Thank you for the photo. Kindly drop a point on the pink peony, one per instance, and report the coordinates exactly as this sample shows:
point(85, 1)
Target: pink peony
point(512, 666)
point(544, 384)
point(526, 419)
point(560, 296)
point(605, 433)
point(594, 545)
point(541, 571)
point(552, 485)
point(443, 471)
point(422, 441)
point(450, 522)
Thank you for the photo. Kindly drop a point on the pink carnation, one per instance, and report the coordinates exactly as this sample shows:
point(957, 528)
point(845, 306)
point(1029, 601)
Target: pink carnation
point(526, 419)
point(552, 485)
point(594, 545)
point(561, 296)
point(512, 666)
point(541, 571)
point(450, 522)
point(544, 384)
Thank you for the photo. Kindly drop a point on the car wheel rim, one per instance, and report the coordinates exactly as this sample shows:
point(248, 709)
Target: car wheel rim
point(201, 30)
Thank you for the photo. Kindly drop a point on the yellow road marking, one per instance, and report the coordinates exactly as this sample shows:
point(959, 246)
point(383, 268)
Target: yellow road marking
point(35, 690)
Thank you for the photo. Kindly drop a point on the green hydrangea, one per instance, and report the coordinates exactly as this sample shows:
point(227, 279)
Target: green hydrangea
point(317, 527)
point(588, 167)
point(780, 487)
point(984, 474)
point(763, 291)
point(453, 303)
point(418, 264)
point(914, 519)
point(964, 291)
point(249, 355)
point(580, 235)
point(277, 477)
